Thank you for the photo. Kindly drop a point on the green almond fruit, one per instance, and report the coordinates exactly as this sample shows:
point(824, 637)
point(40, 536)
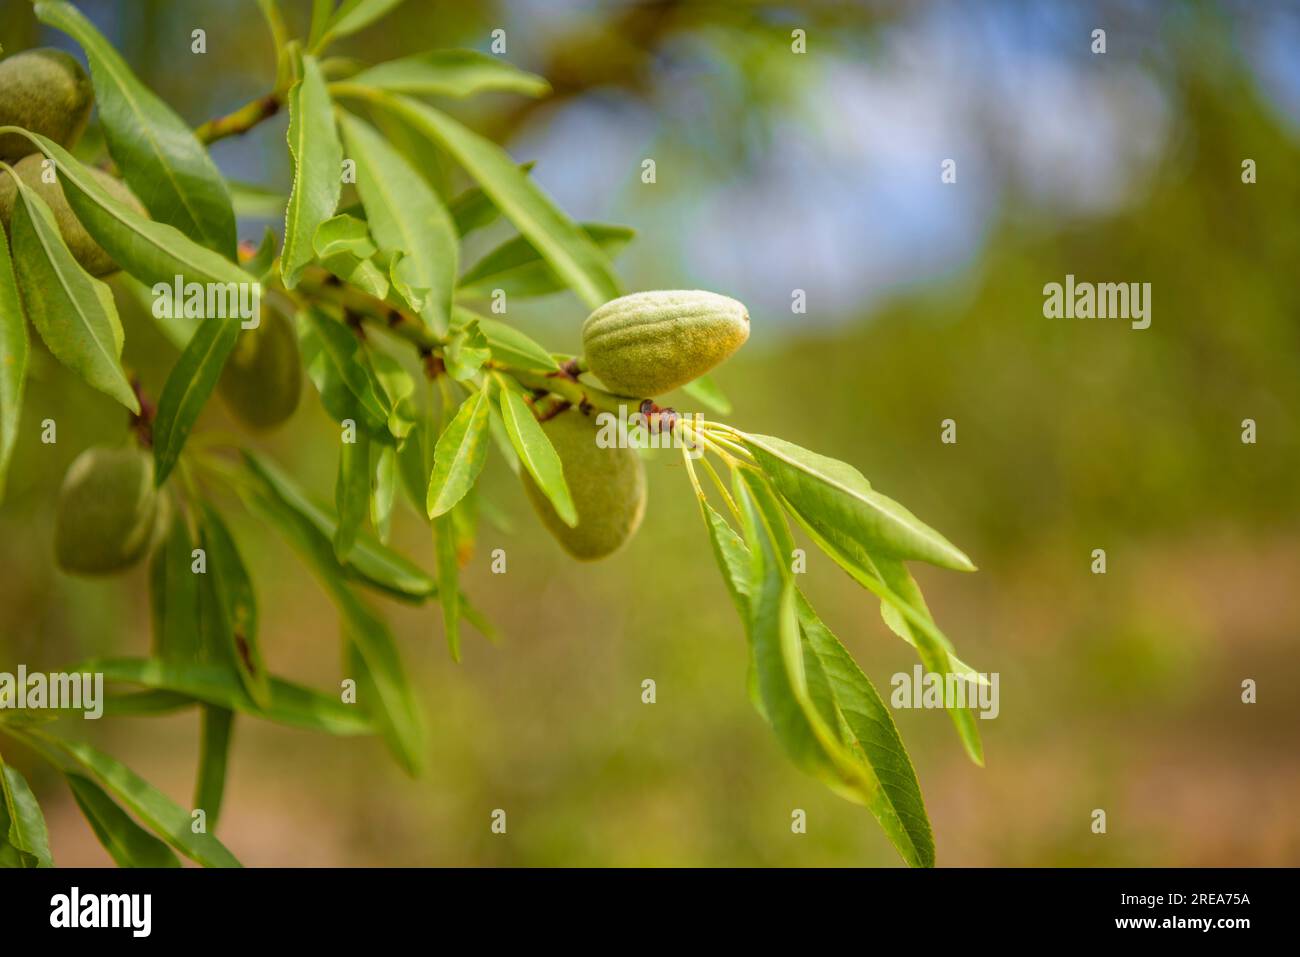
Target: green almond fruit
point(44, 181)
point(44, 91)
point(607, 486)
point(650, 343)
point(262, 379)
point(106, 513)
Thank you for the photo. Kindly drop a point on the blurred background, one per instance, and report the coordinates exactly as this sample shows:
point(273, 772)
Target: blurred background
point(819, 172)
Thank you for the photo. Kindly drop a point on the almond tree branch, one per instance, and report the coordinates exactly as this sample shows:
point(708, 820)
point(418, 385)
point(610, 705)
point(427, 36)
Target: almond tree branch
point(241, 120)
point(318, 284)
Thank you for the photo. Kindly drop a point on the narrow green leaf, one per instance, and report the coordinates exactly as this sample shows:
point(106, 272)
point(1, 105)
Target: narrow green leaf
point(127, 843)
point(153, 252)
point(537, 454)
point(415, 465)
point(383, 489)
point(354, 15)
point(259, 266)
point(472, 209)
point(405, 215)
point(861, 567)
point(146, 703)
point(394, 378)
point(214, 755)
point(444, 542)
point(899, 623)
point(317, 168)
point(163, 816)
point(395, 711)
point(582, 265)
point(345, 354)
point(414, 298)
point(235, 614)
point(187, 389)
point(501, 438)
point(897, 804)
point(162, 161)
point(398, 386)
point(840, 503)
point(72, 311)
point(466, 353)
point(773, 630)
point(351, 493)
point(369, 560)
point(326, 376)
point(344, 247)
point(214, 684)
point(509, 346)
point(14, 348)
point(801, 689)
point(731, 555)
point(519, 270)
point(174, 596)
point(27, 833)
point(459, 456)
point(458, 73)
point(934, 656)
point(321, 13)
point(733, 560)
point(464, 520)
point(933, 647)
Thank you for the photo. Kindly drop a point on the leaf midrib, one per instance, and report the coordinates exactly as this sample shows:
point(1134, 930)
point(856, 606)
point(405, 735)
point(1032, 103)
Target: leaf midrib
point(33, 215)
point(522, 219)
point(856, 496)
point(462, 460)
point(172, 431)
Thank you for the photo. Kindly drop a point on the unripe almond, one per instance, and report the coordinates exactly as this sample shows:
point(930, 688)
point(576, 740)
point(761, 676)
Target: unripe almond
point(44, 91)
point(263, 376)
point(607, 486)
point(106, 511)
point(650, 343)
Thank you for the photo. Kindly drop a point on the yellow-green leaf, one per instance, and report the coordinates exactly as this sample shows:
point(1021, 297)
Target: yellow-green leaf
point(405, 215)
point(583, 266)
point(537, 454)
point(459, 456)
point(72, 311)
point(457, 73)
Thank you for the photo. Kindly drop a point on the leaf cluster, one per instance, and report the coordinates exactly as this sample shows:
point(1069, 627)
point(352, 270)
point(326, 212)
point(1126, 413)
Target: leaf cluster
point(422, 382)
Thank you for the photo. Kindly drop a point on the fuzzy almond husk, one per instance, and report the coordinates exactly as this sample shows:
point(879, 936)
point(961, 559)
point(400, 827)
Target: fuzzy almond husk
point(106, 511)
point(607, 486)
point(650, 343)
point(44, 91)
